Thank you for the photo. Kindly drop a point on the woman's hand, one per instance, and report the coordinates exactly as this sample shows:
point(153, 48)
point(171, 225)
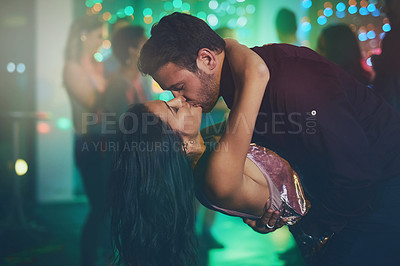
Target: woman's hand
point(268, 223)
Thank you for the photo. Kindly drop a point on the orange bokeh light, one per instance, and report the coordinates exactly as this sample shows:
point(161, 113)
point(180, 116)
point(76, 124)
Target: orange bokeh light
point(148, 19)
point(43, 128)
point(363, 3)
point(97, 7)
point(328, 5)
point(106, 44)
point(352, 2)
point(107, 16)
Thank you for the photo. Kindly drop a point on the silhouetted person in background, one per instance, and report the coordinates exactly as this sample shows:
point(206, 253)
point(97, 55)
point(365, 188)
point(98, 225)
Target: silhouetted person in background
point(85, 84)
point(286, 26)
point(111, 64)
point(127, 86)
point(387, 65)
point(339, 44)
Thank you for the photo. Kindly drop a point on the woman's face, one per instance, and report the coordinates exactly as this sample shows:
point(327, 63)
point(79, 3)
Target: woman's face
point(93, 39)
point(181, 116)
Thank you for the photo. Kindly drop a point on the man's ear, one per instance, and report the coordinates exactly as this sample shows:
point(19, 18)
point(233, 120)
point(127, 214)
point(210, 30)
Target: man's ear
point(207, 60)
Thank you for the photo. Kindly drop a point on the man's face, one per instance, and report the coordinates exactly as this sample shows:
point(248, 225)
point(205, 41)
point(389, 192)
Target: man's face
point(200, 89)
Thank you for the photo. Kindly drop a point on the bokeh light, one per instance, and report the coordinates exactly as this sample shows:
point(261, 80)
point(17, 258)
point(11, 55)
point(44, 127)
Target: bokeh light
point(232, 23)
point(386, 27)
point(97, 7)
point(107, 16)
point(185, 7)
point(363, 11)
point(168, 6)
point(21, 68)
point(231, 10)
point(212, 20)
point(64, 123)
point(98, 57)
point(369, 61)
point(250, 9)
point(43, 128)
point(328, 12)
point(371, 35)
point(376, 13)
point(242, 21)
point(306, 26)
point(340, 14)
point(177, 3)
point(129, 10)
point(340, 7)
point(147, 12)
point(322, 20)
point(148, 19)
point(371, 7)
point(328, 5)
point(11, 67)
point(120, 13)
point(213, 4)
point(106, 44)
point(352, 9)
point(363, 3)
point(21, 167)
point(363, 36)
point(202, 15)
point(307, 3)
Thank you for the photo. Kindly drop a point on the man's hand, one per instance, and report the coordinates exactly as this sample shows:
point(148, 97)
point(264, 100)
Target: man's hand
point(268, 223)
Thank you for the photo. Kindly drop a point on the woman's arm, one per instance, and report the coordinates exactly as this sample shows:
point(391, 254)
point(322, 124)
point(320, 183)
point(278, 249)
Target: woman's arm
point(79, 86)
point(225, 181)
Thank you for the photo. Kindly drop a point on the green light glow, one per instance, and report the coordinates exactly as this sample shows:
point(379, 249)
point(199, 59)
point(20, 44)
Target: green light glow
point(64, 123)
point(177, 3)
point(120, 13)
point(185, 7)
point(168, 6)
point(98, 57)
point(202, 15)
point(129, 10)
point(147, 12)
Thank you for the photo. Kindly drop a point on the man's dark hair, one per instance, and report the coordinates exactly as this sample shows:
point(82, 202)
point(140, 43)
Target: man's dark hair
point(129, 36)
point(177, 38)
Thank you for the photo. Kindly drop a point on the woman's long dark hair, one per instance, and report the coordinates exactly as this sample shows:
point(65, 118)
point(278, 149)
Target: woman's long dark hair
point(152, 194)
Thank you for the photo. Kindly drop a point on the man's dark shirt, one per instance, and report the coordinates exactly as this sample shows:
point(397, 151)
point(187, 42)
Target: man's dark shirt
point(341, 137)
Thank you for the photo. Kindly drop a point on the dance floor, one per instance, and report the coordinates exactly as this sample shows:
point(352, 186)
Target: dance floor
point(243, 246)
point(55, 241)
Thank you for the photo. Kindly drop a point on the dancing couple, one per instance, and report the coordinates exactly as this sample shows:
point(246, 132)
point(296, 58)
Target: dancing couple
point(347, 163)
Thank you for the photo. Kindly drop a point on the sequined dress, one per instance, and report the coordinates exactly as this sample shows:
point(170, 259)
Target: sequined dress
point(286, 192)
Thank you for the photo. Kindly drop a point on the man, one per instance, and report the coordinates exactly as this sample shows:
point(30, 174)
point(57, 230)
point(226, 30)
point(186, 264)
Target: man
point(339, 136)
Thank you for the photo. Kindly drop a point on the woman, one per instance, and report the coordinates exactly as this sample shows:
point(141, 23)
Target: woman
point(340, 45)
point(153, 185)
point(85, 84)
point(126, 85)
